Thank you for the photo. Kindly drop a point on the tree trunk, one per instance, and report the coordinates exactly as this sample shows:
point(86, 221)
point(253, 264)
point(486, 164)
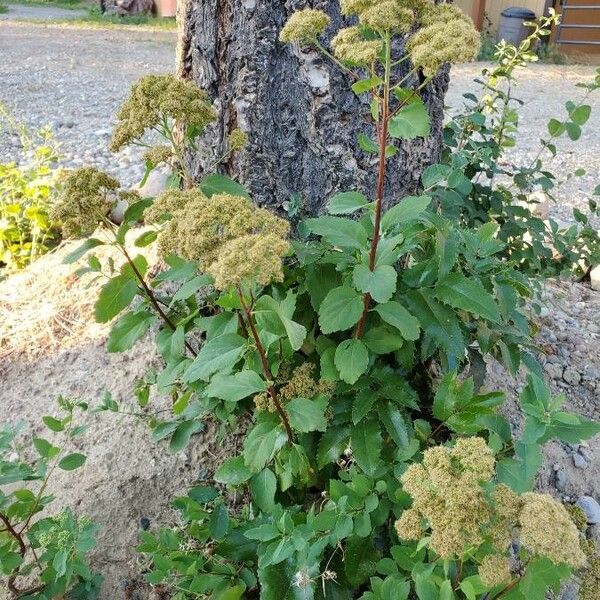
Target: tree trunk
point(295, 105)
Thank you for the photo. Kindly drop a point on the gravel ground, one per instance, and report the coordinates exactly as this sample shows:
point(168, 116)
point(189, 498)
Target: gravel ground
point(24, 12)
point(74, 80)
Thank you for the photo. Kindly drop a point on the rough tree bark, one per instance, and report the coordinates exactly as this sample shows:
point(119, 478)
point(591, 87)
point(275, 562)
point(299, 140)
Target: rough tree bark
point(301, 117)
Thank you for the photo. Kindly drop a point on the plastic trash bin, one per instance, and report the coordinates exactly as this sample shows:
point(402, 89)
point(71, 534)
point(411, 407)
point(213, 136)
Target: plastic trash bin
point(512, 28)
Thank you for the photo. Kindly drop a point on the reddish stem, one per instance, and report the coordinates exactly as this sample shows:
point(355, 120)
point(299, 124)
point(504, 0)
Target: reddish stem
point(265, 365)
point(383, 136)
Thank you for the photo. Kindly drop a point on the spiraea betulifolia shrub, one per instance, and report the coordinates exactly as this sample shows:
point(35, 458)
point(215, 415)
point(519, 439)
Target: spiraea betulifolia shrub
point(43, 557)
point(374, 465)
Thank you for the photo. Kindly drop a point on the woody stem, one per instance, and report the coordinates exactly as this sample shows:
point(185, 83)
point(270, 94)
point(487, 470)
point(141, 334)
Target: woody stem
point(265, 366)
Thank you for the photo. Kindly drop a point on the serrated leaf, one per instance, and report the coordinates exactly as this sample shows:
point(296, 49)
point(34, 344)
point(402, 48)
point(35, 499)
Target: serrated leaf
point(379, 283)
point(339, 231)
point(81, 250)
point(382, 340)
point(45, 448)
point(221, 184)
point(364, 85)
point(263, 441)
point(218, 354)
point(263, 487)
point(116, 295)
point(307, 415)
point(233, 471)
point(467, 294)
point(411, 121)
point(408, 209)
point(128, 330)
point(346, 203)
point(332, 445)
point(234, 388)
point(395, 423)
point(219, 522)
point(340, 309)
point(439, 322)
point(351, 359)
point(397, 316)
point(366, 444)
point(362, 405)
point(182, 435)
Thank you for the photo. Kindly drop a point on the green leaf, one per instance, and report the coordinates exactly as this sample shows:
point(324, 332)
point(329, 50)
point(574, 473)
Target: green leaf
point(382, 340)
point(380, 283)
point(338, 231)
point(440, 323)
point(397, 316)
point(146, 238)
point(467, 294)
point(53, 424)
point(233, 471)
point(263, 441)
point(408, 209)
point(366, 443)
point(573, 131)
point(332, 445)
point(541, 576)
point(346, 203)
point(81, 250)
point(411, 121)
point(116, 295)
point(219, 521)
point(367, 144)
point(581, 114)
point(203, 493)
point(360, 560)
point(72, 461)
point(555, 128)
point(340, 309)
point(264, 486)
point(362, 405)
point(189, 288)
point(182, 435)
point(364, 85)
point(45, 448)
point(234, 388)
point(307, 415)
point(351, 359)
point(218, 354)
point(519, 472)
point(394, 588)
point(128, 330)
point(221, 184)
point(395, 423)
point(446, 592)
point(425, 588)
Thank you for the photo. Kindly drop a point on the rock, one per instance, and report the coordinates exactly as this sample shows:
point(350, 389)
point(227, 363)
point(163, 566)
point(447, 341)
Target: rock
point(561, 480)
point(570, 590)
point(155, 184)
point(117, 213)
point(554, 371)
point(571, 376)
point(579, 461)
point(595, 278)
point(591, 508)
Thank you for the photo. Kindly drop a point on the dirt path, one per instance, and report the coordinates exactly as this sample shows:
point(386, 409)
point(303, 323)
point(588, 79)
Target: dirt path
point(75, 79)
point(26, 12)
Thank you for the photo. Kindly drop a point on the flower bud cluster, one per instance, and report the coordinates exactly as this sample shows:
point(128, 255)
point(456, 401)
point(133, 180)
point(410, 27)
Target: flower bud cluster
point(301, 384)
point(87, 197)
point(451, 498)
point(228, 236)
point(156, 99)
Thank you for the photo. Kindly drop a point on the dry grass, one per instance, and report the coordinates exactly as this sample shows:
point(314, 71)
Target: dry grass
point(46, 307)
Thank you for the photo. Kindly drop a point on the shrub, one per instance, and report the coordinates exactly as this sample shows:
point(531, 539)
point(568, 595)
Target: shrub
point(43, 558)
point(26, 194)
point(374, 465)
